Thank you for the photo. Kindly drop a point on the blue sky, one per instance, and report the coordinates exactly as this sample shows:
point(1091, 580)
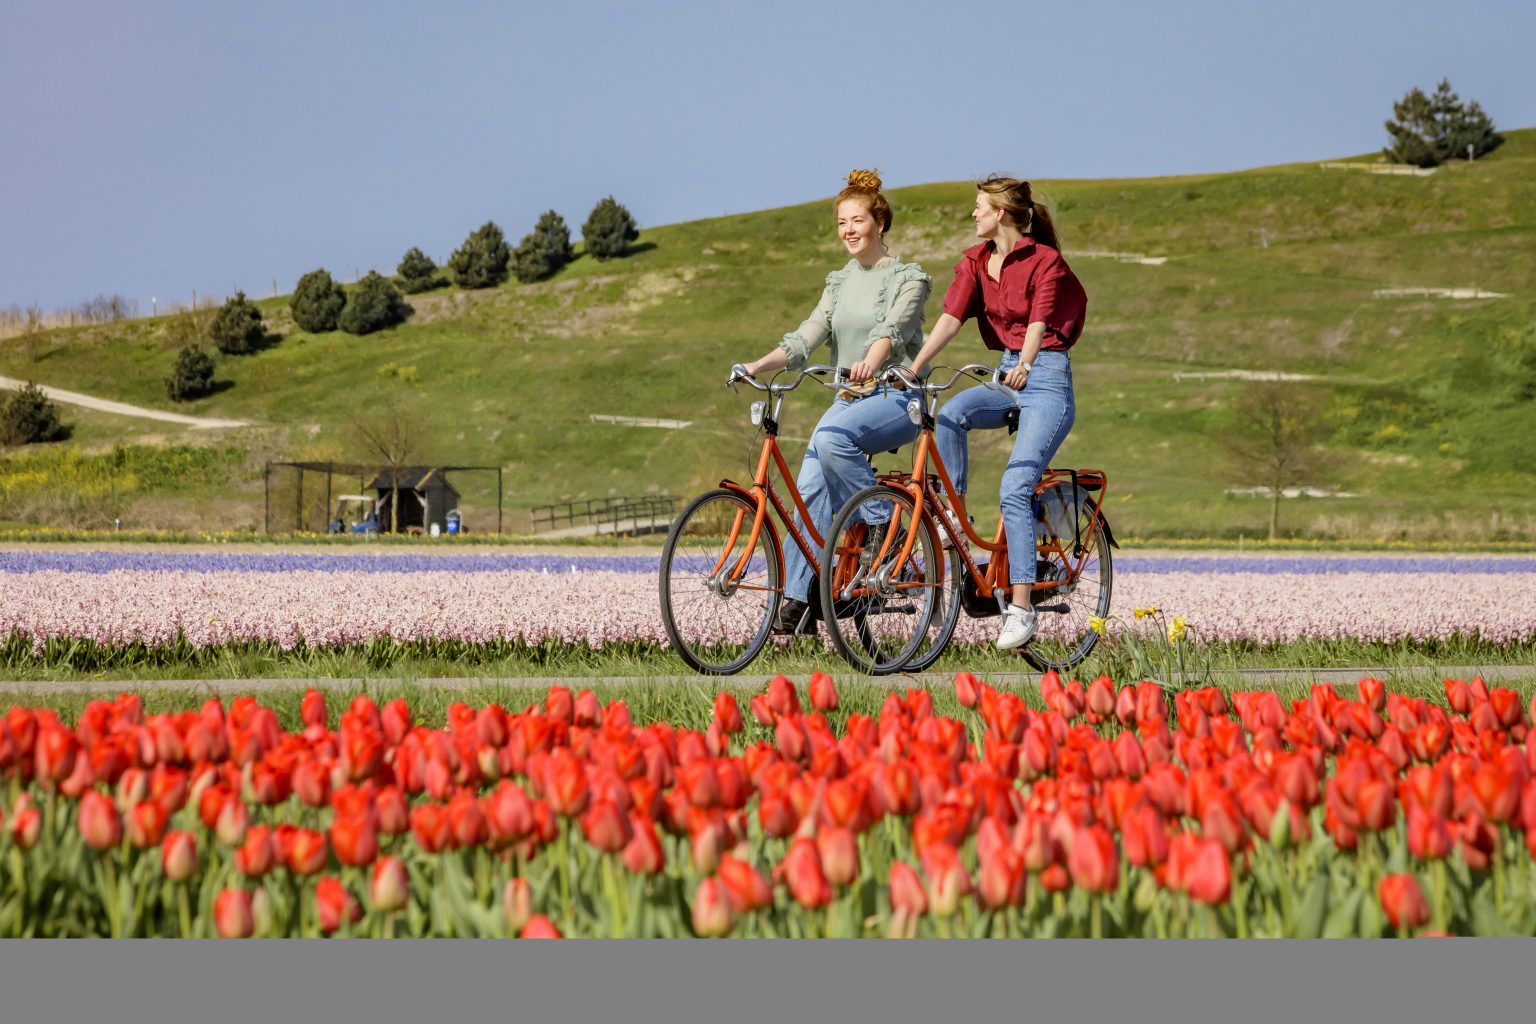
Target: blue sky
point(157, 148)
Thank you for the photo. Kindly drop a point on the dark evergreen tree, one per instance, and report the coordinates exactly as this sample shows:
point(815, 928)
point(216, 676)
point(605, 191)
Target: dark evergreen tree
point(29, 416)
point(1426, 131)
point(609, 230)
point(237, 328)
point(482, 260)
point(373, 305)
point(418, 273)
point(317, 302)
point(191, 377)
point(544, 250)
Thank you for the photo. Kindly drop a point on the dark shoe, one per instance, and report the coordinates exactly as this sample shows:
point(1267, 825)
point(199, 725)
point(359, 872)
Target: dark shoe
point(790, 614)
point(874, 539)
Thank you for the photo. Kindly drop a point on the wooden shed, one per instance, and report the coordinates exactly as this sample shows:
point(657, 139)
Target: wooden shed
point(426, 498)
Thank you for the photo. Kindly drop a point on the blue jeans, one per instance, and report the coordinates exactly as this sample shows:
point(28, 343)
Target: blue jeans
point(1046, 412)
point(836, 468)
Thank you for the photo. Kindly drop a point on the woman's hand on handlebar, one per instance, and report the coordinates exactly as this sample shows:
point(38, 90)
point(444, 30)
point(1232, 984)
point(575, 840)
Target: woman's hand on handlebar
point(861, 372)
point(1016, 378)
point(899, 376)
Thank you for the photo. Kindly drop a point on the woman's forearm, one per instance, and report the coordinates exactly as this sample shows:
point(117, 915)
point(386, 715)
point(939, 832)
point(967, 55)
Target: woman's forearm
point(774, 360)
point(1032, 339)
point(943, 333)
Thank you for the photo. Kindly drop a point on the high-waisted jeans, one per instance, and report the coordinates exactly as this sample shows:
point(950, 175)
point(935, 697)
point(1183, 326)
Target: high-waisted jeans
point(836, 468)
point(1046, 411)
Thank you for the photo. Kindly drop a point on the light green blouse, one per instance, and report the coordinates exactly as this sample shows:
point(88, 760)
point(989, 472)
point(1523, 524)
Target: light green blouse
point(859, 306)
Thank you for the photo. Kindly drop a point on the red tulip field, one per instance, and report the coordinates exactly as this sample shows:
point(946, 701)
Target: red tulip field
point(1094, 810)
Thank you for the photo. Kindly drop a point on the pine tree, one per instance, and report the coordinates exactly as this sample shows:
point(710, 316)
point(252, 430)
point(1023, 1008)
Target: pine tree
point(482, 260)
point(418, 273)
point(373, 305)
point(544, 250)
point(317, 302)
point(1426, 131)
point(237, 329)
point(191, 377)
point(609, 230)
point(28, 417)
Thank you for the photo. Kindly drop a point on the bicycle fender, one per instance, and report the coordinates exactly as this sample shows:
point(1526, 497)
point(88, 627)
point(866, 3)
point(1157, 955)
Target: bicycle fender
point(1108, 535)
point(745, 492)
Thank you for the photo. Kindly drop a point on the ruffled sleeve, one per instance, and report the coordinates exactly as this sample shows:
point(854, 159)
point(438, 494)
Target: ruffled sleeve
point(816, 328)
point(899, 310)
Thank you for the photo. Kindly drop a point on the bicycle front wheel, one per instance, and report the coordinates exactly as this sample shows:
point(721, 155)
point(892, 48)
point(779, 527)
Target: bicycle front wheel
point(1066, 635)
point(881, 613)
point(718, 620)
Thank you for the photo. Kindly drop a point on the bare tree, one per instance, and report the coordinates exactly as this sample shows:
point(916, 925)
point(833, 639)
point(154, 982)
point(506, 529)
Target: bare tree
point(1277, 439)
point(396, 438)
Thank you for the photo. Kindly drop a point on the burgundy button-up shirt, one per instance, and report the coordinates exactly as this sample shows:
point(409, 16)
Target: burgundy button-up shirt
point(1035, 285)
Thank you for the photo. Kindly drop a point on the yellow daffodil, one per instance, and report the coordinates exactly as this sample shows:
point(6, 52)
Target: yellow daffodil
point(1177, 630)
point(1097, 624)
point(1145, 613)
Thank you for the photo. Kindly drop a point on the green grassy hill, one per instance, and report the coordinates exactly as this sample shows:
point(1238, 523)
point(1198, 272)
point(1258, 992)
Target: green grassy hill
point(1429, 400)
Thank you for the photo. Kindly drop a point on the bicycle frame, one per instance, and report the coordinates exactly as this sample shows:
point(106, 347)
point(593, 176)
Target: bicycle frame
point(992, 579)
point(763, 495)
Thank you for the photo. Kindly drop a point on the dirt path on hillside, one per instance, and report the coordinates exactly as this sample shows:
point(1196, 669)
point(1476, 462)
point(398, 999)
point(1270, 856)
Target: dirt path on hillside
point(123, 408)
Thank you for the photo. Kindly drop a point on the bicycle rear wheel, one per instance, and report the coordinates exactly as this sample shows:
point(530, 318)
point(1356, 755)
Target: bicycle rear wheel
point(879, 618)
point(1066, 635)
point(716, 624)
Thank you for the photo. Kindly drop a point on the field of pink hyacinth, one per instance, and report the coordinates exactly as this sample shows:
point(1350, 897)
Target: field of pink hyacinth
point(324, 601)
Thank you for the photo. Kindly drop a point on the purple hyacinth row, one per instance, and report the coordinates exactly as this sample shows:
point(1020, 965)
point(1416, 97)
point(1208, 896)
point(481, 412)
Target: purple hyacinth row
point(217, 562)
point(597, 608)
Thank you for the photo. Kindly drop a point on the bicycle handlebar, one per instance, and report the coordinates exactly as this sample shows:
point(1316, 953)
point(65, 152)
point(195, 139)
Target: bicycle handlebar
point(903, 376)
point(739, 373)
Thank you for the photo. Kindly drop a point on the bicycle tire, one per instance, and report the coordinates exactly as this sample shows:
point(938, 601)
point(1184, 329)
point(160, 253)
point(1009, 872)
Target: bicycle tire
point(710, 634)
point(1074, 637)
point(886, 629)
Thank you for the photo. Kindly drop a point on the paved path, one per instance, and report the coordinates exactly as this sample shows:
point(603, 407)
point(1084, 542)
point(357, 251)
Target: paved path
point(123, 408)
point(1253, 677)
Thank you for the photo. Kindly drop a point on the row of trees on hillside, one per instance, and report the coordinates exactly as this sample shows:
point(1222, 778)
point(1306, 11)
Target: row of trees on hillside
point(1426, 131)
point(485, 257)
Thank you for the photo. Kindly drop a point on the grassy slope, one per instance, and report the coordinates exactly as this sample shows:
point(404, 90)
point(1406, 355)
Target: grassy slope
point(1424, 405)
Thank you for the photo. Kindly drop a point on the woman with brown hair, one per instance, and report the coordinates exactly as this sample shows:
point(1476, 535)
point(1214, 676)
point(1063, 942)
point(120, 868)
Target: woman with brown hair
point(1029, 306)
point(871, 316)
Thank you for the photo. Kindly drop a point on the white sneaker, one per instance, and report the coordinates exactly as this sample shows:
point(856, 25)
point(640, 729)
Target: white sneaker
point(954, 523)
point(1019, 627)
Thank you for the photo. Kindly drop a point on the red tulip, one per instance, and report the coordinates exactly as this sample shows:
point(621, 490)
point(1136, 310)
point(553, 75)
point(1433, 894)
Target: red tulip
point(1429, 838)
point(967, 691)
point(906, 890)
point(782, 699)
point(565, 783)
point(1403, 901)
point(516, 904)
point(27, 827)
point(728, 712)
point(178, 856)
point(306, 853)
point(585, 710)
point(508, 812)
point(606, 826)
point(312, 782)
point(1373, 693)
point(100, 825)
point(839, 851)
point(1101, 698)
point(947, 878)
point(1093, 861)
point(1498, 791)
point(539, 927)
point(391, 888)
point(1000, 881)
point(232, 822)
point(803, 872)
point(1377, 805)
point(430, 826)
point(746, 887)
point(1146, 839)
point(1209, 875)
point(312, 711)
point(232, 916)
point(355, 840)
point(1458, 695)
point(257, 854)
point(712, 914)
point(644, 854)
point(776, 814)
point(823, 692)
point(146, 824)
point(559, 704)
point(392, 810)
point(57, 750)
point(334, 905)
